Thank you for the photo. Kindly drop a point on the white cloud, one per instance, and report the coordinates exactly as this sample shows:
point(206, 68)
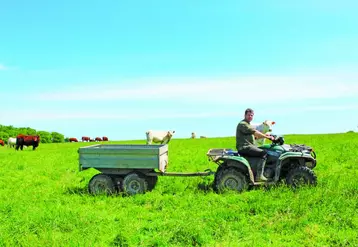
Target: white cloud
point(222, 90)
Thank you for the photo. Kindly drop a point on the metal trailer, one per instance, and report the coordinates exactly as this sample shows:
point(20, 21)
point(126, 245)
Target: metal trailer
point(128, 168)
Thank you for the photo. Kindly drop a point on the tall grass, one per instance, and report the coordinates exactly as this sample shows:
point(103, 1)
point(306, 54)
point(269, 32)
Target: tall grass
point(44, 202)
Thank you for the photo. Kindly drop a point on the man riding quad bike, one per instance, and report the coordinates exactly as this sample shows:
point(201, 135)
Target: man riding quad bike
point(291, 163)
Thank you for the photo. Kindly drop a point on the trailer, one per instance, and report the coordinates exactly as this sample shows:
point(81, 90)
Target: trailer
point(129, 168)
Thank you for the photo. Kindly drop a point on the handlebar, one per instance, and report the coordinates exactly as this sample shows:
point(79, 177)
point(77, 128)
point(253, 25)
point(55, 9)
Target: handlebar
point(278, 140)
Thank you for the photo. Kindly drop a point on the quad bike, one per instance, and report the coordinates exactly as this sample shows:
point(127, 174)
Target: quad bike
point(290, 163)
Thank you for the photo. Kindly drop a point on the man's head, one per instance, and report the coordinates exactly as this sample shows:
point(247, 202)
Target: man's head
point(249, 114)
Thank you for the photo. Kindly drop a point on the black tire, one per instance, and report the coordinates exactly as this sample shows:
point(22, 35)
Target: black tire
point(135, 183)
point(101, 184)
point(118, 182)
point(230, 179)
point(301, 175)
point(220, 168)
point(151, 181)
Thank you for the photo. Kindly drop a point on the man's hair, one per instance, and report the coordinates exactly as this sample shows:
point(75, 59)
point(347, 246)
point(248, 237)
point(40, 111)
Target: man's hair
point(249, 110)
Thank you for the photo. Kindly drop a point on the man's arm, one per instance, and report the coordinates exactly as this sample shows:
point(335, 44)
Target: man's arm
point(246, 129)
point(258, 134)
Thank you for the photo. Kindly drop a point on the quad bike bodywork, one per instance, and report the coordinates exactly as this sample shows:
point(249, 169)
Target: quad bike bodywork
point(290, 163)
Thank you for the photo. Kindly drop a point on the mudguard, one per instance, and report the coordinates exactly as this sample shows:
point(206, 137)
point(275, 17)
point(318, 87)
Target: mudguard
point(242, 161)
point(298, 155)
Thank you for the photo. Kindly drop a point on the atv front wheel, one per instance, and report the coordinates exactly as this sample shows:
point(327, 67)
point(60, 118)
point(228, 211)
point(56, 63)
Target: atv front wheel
point(300, 176)
point(230, 179)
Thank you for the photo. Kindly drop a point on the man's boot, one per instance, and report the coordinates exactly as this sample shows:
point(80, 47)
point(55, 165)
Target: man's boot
point(260, 171)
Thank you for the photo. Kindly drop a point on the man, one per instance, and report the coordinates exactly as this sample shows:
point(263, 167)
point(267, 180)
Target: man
point(245, 142)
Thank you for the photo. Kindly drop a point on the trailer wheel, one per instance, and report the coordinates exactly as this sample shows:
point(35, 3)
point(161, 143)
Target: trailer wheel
point(118, 182)
point(152, 181)
point(101, 184)
point(135, 183)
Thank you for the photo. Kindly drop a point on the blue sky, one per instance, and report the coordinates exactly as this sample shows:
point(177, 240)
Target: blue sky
point(119, 68)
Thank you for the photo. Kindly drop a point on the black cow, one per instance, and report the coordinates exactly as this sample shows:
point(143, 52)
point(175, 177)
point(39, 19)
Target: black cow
point(27, 140)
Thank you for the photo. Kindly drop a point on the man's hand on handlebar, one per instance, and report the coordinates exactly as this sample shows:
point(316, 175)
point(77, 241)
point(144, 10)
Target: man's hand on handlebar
point(270, 137)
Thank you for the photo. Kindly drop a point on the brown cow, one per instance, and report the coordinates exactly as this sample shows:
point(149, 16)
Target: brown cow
point(72, 139)
point(105, 138)
point(85, 138)
point(27, 140)
point(2, 142)
point(99, 139)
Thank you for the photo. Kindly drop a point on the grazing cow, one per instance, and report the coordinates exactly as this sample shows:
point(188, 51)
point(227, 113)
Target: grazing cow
point(203, 137)
point(73, 139)
point(2, 142)
point(105, 138)
point(27, 140)
point(11, 142)
point(98, 139)
point(264, 128)
point(159, 136)
point(85, 139)
point(193, 135)
point(91, 140)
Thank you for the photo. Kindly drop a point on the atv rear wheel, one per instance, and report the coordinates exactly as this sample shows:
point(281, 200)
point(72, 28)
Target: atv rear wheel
point(230, 179)
point(300, 176)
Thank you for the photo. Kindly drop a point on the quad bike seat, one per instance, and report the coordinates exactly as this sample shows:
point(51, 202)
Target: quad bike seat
point(232, 152)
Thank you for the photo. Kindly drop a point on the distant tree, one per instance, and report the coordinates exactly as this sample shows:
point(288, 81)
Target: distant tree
point(67, 139)
point(31, 131)
point(12, 132)
point(26, 131)
point(57, 137)
point(4, 136)
point(45, 137)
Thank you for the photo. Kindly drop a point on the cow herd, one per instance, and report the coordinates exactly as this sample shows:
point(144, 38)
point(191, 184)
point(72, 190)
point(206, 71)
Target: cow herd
point(22, 141)
point(88, 139)
point(152, 136)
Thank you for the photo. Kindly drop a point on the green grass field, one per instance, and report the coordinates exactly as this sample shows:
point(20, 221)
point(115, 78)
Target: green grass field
point(44, 202)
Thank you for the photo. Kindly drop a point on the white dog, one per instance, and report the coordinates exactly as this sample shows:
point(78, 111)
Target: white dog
point(264, 128)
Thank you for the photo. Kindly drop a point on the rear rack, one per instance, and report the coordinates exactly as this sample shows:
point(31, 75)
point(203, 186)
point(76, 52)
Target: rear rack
point(216, 153)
